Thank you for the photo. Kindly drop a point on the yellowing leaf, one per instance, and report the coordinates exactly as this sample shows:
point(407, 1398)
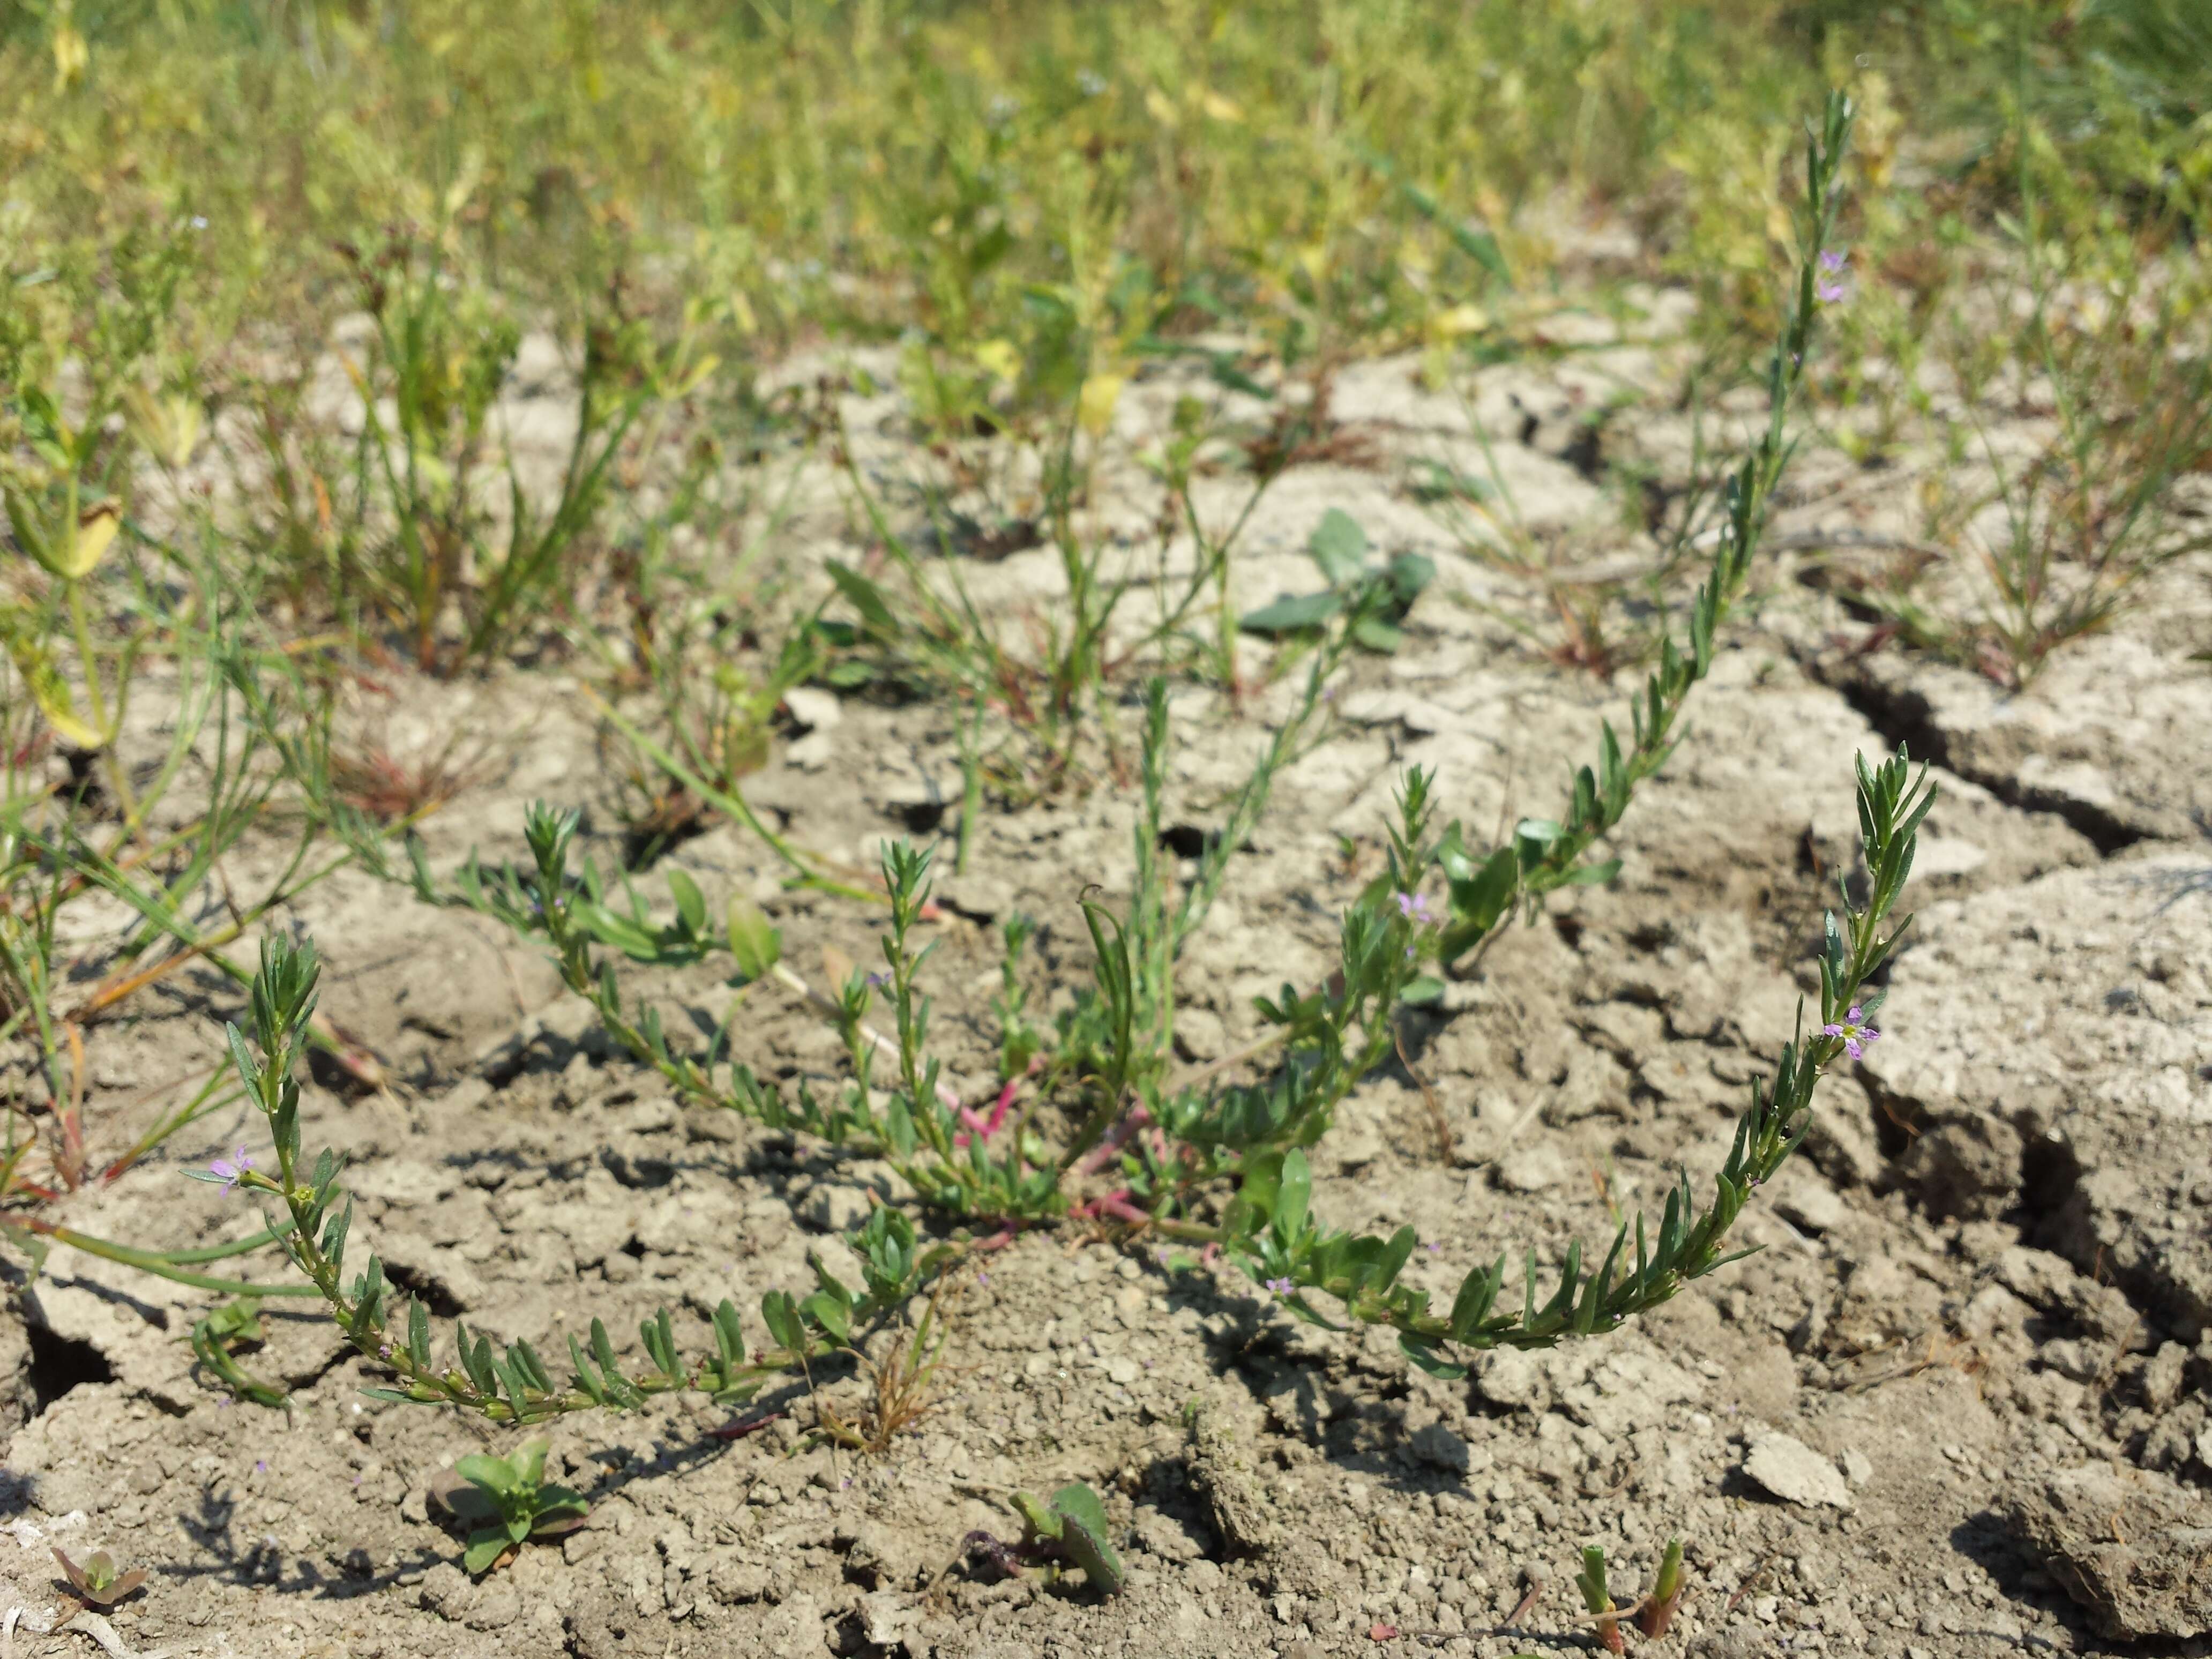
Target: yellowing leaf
point(1458, 321)
point(998, 357)
point(1220, 109)
point(18, 632)
point(1094, 408)
point(169, 428)
point(71, 56)
point(701, 372)
point(94, 532)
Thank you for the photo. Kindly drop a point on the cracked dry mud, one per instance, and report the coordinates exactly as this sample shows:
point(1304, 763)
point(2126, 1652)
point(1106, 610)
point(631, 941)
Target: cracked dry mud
point(1956, 1406)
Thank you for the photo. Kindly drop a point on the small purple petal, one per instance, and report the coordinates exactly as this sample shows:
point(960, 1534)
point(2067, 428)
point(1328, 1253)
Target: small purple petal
point(1829, 293)
point(230, 1170)
point(1280, 1286)
point(1833, 261)
point(1853, 1031)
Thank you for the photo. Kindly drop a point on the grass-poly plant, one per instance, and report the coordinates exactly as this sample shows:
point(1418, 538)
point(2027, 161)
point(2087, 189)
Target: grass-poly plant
point(94, 821)
point(1092, 1127)
point(2111, 352)
point(903, 1385)
point(426, 549)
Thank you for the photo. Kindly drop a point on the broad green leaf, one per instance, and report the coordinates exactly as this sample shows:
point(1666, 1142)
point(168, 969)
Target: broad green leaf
point(1083, 1536)
point(830, 1313)
point(486, 1546)
point(1042, 1521)
point(690, 902)
point(1291, 1196)
point(866, 598)
point(559, 1503)
point(1339, 548)
point(1410, 573)
point(492, 1473)
point(1292, 616)
point(1480, 901)
point(528, 1461)
point(781, 1315)
point(1594, 875)
point(1423, 993)
point(755, 944)
point(1373, 634)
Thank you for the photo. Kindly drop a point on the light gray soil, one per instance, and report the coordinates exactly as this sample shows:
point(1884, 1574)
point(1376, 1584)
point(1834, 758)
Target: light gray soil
point(1956, 1406)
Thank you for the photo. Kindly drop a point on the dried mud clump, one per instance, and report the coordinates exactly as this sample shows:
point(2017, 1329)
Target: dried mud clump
point(2132, 1547)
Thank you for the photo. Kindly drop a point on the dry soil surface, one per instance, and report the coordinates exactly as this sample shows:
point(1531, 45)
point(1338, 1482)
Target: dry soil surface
point(1957, 1405)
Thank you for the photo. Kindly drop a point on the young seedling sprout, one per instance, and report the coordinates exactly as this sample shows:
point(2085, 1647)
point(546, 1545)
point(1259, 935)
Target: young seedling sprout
point(504, 1501)
point(1070, 1530)
point(1666, 1598)
point(98, 1583)
point(1597, 1596)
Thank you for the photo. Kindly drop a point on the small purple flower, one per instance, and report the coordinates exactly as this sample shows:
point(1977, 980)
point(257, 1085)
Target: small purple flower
point(1854, 1030)
point(261, 1466)
point(229, 1171)
point(1280, 1286)
point(1414, 906)
point(1829, 293)
point(1833, 261)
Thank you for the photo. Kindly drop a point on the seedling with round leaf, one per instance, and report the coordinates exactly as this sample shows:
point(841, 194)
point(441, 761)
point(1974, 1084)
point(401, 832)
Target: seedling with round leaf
point(1071, 1529)
point(99, 1583)
point(504, 1501)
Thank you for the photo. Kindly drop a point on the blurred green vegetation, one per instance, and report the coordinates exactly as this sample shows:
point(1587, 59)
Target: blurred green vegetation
point(798, 166)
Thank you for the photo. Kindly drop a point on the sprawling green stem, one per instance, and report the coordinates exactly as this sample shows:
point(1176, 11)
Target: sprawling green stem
point(1542, 853)
point(1269, 1228)
point(516, 1386)
point(173, 1265)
